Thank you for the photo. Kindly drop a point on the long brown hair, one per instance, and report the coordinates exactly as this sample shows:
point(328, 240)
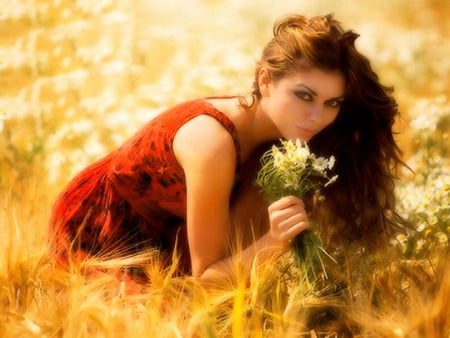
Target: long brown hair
point(361, 204)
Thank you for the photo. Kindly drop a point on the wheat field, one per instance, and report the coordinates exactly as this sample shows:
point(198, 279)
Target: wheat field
point(78, 77)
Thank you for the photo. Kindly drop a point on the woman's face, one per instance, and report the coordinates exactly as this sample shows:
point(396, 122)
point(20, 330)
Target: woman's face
point(304, 102)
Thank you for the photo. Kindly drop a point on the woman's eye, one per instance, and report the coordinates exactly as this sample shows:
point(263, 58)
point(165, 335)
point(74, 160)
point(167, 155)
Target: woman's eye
point(334, 103)
point(304, 96)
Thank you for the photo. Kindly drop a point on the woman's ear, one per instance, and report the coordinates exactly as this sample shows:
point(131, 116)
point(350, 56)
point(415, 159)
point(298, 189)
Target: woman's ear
point(264, 81)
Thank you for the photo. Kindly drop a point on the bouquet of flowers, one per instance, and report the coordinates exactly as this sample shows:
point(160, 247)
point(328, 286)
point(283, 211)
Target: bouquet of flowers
point(291, 169)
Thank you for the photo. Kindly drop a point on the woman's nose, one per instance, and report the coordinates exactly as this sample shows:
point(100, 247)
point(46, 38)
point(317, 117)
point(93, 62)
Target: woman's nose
point(316, 112)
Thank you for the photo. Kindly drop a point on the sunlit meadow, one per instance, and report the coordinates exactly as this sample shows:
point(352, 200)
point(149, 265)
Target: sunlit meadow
point(78, 77)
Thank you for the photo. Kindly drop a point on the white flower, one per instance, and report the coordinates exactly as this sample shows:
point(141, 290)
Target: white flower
point(278, 157)
point(291, 169)
point(331, 181)
point(421, 227)
point(420, 244)
point(441, 237)
point(320, 164)
point(424, 123)
point(402, 238)
point(301, 152)
point(331, 162)
point(432, 219)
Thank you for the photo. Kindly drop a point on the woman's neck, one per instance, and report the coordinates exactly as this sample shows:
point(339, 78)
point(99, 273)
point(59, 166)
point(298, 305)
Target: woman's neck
point(253, 126)
point(257, 128)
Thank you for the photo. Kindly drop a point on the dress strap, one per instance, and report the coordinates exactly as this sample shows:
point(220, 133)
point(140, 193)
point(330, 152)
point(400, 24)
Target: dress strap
point(226, 122)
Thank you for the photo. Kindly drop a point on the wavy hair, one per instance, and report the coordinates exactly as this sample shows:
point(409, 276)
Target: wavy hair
point(361, 204)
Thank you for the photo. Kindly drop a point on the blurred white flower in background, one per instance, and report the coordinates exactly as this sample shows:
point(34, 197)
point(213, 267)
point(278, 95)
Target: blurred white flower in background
point(426, 113)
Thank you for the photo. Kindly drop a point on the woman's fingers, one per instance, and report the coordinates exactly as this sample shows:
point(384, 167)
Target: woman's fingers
point(286, 202)
point(294, 230)
point(295, 218)
point(291, 227)
point(287, 218)
point(288, 215)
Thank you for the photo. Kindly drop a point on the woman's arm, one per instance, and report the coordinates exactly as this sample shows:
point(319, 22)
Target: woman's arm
point(207, 154)
point(287, 219)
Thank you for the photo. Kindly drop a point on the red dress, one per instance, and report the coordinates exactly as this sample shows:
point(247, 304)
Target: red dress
point(134, 198)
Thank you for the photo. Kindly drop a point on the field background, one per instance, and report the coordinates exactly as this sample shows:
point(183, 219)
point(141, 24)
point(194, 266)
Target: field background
point(79, 77)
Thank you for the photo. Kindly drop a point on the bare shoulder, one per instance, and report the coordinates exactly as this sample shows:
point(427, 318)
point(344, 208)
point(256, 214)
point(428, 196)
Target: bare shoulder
point(203, 141)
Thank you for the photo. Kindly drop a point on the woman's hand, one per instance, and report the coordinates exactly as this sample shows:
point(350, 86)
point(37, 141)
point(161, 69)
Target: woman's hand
point(287, 218)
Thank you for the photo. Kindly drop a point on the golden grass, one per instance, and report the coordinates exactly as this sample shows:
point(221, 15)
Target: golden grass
point(376, 296)
point(77, 78)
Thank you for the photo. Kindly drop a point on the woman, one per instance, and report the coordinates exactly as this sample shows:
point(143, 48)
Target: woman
point(181, 182)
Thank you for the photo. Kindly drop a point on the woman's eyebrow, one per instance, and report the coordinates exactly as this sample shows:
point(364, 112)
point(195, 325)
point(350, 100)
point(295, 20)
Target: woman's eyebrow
point(315, 94)
point(308, 89)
